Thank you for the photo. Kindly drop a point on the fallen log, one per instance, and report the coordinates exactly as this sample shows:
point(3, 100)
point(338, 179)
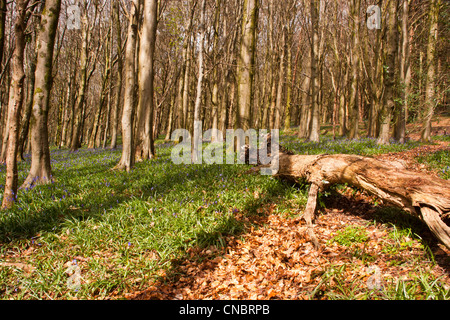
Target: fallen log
point(419, 194)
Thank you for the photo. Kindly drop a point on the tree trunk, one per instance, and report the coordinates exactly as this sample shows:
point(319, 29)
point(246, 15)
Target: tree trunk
point(15, 105)
point(40, 171)
point(128, 150)
point(389, 74)
point(277, 121)
point(289, 82)
point(197, 149)
point(3, 9)
point(417, 193)
point(353, 132)
point(314, 127)
point(215, 90)
point(23, 137)
point(75, 142)
point(430, 85)
point(96, 132)
point(246, 63)
point(145, 148)
point(400, 131)
point(119, 79)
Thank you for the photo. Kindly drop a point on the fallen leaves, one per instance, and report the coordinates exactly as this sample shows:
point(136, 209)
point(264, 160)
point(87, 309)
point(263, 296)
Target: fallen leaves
point(277, 261)
point(26, 268)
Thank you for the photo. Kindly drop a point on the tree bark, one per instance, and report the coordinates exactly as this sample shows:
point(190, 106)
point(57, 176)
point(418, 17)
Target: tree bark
point(419, 194)
point(96, 132)
point(314, 127)
point(353, 132)
point(128, 150)
point(145, 148)
point(246, 63)
point(75, 142)
point(390, 72)
point(40, 171)
point(2, 29)
point(430, 85)
point(23, 137)
point(197, 106)
point(119, 79)
point(405, 72)
point(281, 81)
point(215, 90)
point(15, 105)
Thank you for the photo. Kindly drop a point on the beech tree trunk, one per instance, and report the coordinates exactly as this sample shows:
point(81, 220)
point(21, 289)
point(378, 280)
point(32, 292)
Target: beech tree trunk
point(23, 137)
point(144, 145)
point(314, 126)
point(40, 171)
point(353, 99)
point(15, 105)
point(128, 151)
point(197, 120)
point(390, 72)
point(2, 29)
point(79, 106)
point(419, 194)
point(430, 85)
point(115, 118)
point(96, 130)
point(246, 62)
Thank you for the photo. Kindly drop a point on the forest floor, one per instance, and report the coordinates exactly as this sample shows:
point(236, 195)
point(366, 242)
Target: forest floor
point(166, 231)
point(368, 251)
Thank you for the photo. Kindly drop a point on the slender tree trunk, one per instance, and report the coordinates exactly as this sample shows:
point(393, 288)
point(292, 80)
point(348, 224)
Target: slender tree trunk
point(353, 101)
point(186, 82)
point(119, 79)
point(430, 85)
point(389, 74)
point(96, 132)
point(215, 90)
point(3, 9)
point(145, 148)
point(197, 121)
point(246, 63)
point(170, 118)
point(23, 137)
point(68, 102)
point(289, 85)
point(79, 106)
point(277, 121)
point(15, 105)
point(128, 151)
point(305, 108)
point(400, 130)
point(314, 128)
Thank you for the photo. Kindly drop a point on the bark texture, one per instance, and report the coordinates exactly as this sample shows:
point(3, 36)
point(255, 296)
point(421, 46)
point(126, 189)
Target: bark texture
point(40, 171)
point(128, 153)
point(15, 103)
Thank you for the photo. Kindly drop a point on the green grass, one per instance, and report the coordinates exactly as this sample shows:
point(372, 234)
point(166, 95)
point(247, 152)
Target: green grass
point(364, 146)
point(121, 230)
point(351, 235)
